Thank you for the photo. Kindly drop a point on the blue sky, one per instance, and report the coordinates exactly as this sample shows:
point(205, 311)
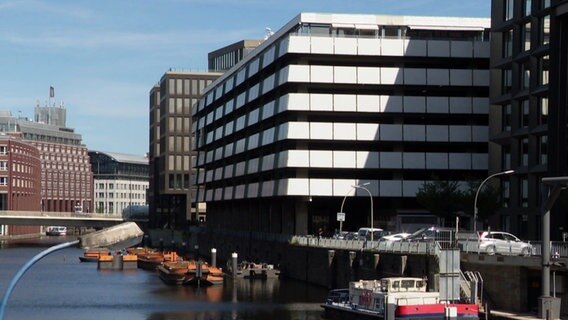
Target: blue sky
point(103, 57)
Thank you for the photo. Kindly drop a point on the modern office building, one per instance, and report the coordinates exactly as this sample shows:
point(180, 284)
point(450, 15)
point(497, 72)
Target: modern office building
point(332, 101)
point(66, 178)
point(529, 109)
point(120, 182)
point(171, 192)
point(20, 180)
point(225, 58)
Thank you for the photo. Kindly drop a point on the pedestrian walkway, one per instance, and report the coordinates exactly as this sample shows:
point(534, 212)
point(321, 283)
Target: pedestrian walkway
point(512, 316)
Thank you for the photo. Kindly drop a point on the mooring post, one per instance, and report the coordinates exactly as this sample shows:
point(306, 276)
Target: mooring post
point(213, 257)
point(234, 258)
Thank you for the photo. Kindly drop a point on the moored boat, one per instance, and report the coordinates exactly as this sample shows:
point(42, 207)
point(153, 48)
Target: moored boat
point(392, 299)
point(93, 255)
point(151, 260)
point(175, 272)
point(253, 270)
point(190, 272)
point(120, 261)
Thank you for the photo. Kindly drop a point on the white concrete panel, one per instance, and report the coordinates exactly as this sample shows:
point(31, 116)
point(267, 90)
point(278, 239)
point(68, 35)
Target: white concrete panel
point(437, 133)
point(415, 48)
point(321, 74)
point(345, 102)
point(460, 134)
point(481, 49)
point(321, 131)
point(240, 168)
point(392, 47)
point(391, 75)
point(367, 103)
point(322, 45)
point(480, 77)
point(268, 162)
point(480, 105)
point(320, 101)
point(321, 187)
point(293, 187)
point(414, 160)
point(390, 160)
point(461, 49)
point(460, 161)
point(369, 47)
point(298, 130)
point(437, 161)
point(252, 166)
point(414, 132)
point(345, 46)
point(344, 131)
point(411, 188)
point(414, 76)
point(438, 48)
point(367, 131)
point(228, 193)
point(344, 159)
point(298, 73)
point(437, 104)
point(295, 101)
point(438, 77)
point(321, 158)
point(343, 187)
point(461, 77)
point(267, 189)
point(345, 74)
point(368, 75)
point(268, 56)
point(297, 158)
point(390, 132)
point(296, 45)
point(480, 133)
point(390, 188)
point(479, 161)
point(391, 104)
point(414, 104)
point(252, 190)
point(240, 191)
point(367, 159)
point(460, 105)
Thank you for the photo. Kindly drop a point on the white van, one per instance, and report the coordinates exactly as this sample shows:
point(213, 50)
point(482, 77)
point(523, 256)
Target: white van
point(365, 233)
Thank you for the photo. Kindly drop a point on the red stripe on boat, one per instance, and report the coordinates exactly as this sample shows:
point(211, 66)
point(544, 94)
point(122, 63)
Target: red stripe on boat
point(438, 308)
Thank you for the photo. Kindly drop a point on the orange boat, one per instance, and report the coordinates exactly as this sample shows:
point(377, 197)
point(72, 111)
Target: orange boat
point(93, 255)
point(151, 260)
point(117, 261)
point(190, 273)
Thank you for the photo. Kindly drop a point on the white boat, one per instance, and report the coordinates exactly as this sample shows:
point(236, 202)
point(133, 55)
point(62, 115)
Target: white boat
point(392, 299)
point(56, 231)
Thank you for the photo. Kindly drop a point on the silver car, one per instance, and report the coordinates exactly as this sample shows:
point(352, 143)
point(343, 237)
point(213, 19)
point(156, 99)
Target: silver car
point(493, 242)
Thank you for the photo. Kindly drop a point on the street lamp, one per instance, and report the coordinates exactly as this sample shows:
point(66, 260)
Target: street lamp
point(341, 211)
point(477, 194)
point(116, 237)
point(362, 186)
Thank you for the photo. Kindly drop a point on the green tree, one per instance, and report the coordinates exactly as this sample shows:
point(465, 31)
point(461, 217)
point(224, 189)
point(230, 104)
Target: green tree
point(442, 198)
point(488, 201)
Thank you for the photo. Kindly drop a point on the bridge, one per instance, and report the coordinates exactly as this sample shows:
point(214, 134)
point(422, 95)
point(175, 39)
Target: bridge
point(69, 219)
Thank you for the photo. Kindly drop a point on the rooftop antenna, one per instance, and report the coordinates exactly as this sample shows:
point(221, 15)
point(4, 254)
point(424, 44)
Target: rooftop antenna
point(51, 95)
point(268, 33)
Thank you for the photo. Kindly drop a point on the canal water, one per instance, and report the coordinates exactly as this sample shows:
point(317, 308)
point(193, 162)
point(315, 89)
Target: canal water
point(61, 287)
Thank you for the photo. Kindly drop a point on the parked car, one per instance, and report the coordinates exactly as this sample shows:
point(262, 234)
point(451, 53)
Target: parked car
point(365, 233)
point(493, 242)
point(395, 237)
point(433, 234)
point(340, 235)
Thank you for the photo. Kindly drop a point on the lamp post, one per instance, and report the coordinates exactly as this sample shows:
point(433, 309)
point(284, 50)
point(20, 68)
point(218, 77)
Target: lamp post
point(116, 237)
point(341, 210)
point(362, 186)
point(477, 194)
